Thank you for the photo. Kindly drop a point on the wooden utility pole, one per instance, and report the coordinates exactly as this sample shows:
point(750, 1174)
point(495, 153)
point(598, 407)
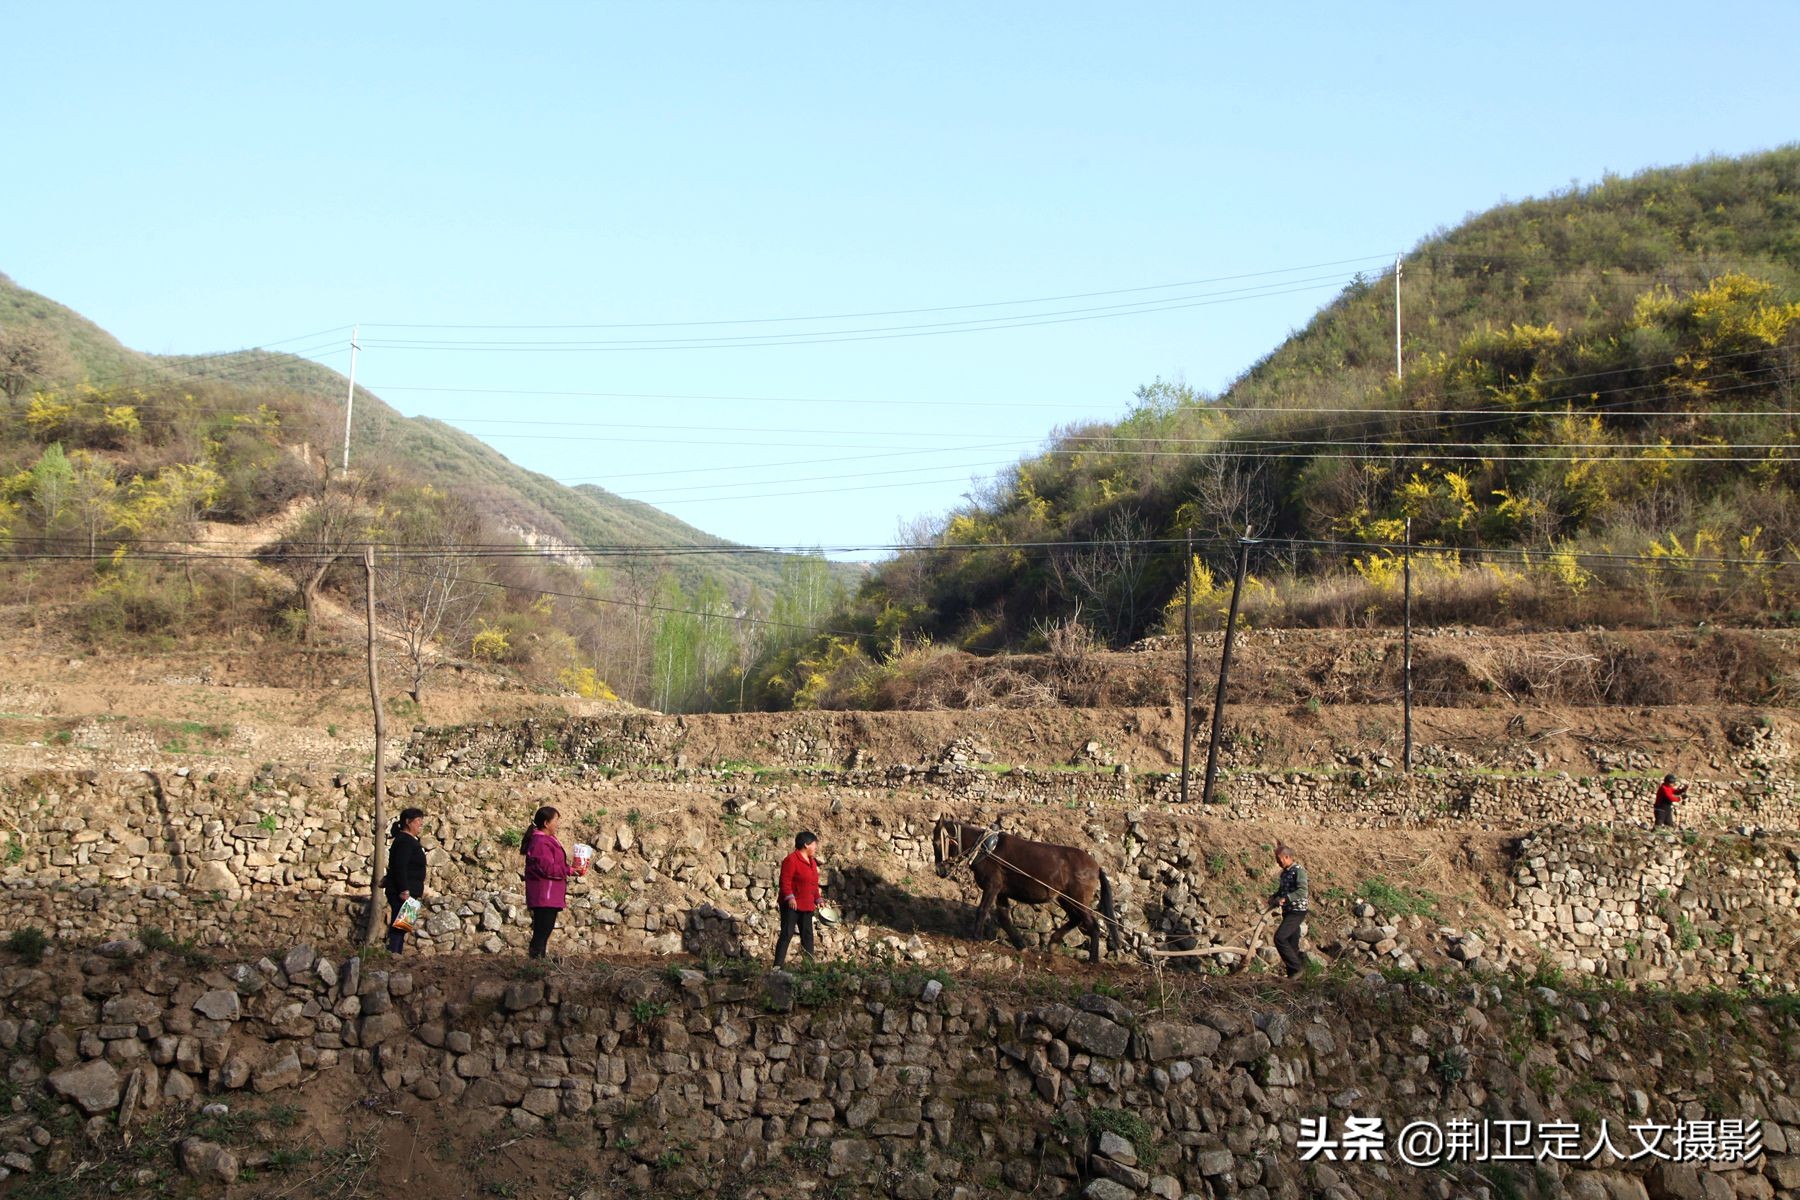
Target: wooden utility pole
point(1187, 665)
point(1406, 650)
point(1218, 713)
point(377, 912)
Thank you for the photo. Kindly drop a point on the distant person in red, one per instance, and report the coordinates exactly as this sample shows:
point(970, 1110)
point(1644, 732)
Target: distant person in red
point(1666, 797)
point(799, 895)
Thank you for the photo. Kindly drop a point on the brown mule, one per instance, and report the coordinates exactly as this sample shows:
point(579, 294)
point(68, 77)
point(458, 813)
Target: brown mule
point(1008, 867)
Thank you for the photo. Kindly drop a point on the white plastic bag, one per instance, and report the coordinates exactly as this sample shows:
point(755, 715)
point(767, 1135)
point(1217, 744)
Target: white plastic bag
point(408, 914)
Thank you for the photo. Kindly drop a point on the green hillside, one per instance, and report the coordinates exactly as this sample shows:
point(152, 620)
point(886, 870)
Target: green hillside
point(1598, 406)
point(437, 453)
point(108, 451)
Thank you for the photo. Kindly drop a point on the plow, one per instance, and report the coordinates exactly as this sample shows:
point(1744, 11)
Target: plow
point(1253, 941)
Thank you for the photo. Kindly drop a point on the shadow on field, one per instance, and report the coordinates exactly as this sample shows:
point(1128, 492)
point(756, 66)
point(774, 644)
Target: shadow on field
point(866, 894)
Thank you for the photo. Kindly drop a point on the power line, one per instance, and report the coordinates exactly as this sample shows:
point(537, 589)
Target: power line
point(1199, 406)
point(827, 337)
point(1238, 455)
point(903, 312)
point(981, 466)
point(1111, 438)
point(152, 371)
point(1361, 416)
point(871, 487)
point(1362, 456)
point(1418, 258)
point(183, 549)
point(381, 388)
point(1501, 456)
point(644, 606)
point(813, 430)
point(795, 462)
point(1206, 405)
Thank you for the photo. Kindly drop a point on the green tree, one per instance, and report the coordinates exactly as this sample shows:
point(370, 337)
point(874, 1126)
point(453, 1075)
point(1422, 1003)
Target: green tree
point(805, 596)
point(52, 482)
point(675, 651)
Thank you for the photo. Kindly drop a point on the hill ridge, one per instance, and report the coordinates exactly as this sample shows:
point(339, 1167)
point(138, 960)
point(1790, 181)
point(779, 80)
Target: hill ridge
point(163, 440)
point(1607, 378)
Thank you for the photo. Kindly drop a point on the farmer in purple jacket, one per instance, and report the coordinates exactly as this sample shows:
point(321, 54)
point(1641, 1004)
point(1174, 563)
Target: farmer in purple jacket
point(546, 875)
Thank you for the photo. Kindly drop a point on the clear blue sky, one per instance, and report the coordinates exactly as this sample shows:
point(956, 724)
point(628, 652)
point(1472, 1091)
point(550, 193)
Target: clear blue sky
point(203, 177)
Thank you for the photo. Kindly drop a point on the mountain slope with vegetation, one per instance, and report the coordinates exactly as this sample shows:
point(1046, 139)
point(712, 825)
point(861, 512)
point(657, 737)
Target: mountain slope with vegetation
point(116, 467)
point(1596, 425)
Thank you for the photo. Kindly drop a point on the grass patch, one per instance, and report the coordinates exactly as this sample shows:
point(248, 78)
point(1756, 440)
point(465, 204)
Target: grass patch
point(1397, 900)
point(1129, 1126)
point(29, 943)
point(187, 948)
point(646, 1011)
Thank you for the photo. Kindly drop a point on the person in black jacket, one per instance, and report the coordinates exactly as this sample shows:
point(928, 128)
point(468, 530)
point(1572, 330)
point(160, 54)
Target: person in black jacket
point(406, 871)
point(1291, 897)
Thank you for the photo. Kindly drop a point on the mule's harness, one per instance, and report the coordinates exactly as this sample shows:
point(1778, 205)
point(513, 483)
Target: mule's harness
point(984, 846)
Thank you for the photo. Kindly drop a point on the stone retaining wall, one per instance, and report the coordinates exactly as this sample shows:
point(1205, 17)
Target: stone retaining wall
point(891, 1084)
point(1661, 907)
point(1358, 788)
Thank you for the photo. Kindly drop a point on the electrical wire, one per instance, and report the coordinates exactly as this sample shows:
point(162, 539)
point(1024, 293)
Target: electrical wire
point(153, 370)
point(833, 337)
point(184, 549)
point(1360, 456)
point(902, 312)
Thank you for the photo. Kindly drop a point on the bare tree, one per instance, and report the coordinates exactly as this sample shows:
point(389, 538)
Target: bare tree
point(93, 496)
point(335, 526)
point(1225, 495)
point(28, 355)
point(1105, 572)
point(751, 635)
point(636, 588)
point(429, 587)
point(1340, 489)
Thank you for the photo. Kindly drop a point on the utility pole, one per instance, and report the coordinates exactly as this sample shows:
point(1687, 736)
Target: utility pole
point(1399, 367)
point(1406, 650)
point(1218, 713)
point(350, 400)
point(1187, 666)
point(377, 913)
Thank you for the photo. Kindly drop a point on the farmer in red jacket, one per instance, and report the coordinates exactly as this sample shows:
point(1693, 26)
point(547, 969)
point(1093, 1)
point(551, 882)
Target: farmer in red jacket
point(799, 895)
point(1666, 797)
